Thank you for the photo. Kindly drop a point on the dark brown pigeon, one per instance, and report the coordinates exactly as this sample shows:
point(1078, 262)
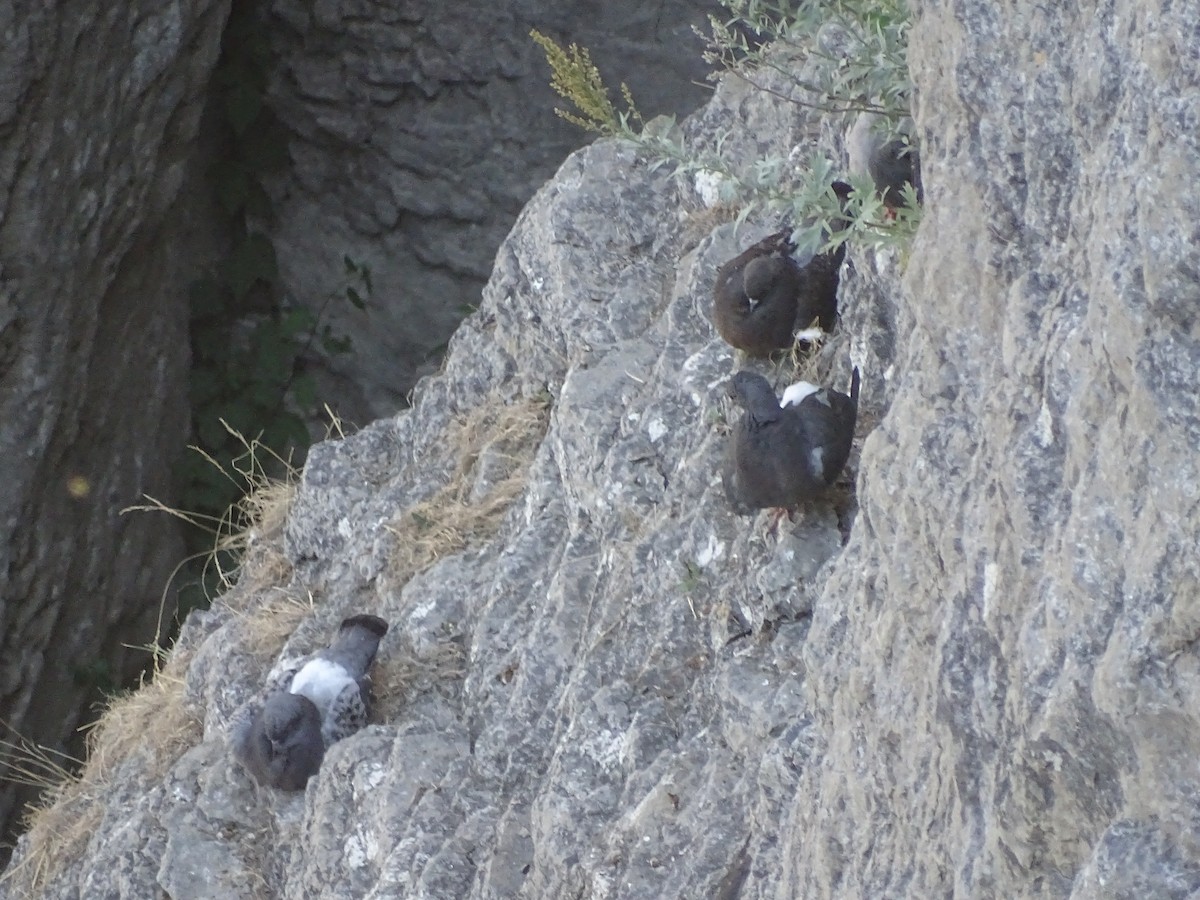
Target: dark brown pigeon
point(762, 295)
point(755, 294)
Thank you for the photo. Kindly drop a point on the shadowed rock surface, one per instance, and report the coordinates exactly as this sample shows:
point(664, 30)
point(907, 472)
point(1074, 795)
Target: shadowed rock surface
point(990, 690)
point(419, 130)
point(100, 106)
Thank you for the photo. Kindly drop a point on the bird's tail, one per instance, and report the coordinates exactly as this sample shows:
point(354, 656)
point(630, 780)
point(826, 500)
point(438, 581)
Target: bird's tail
point(841, 190)
point(357, 642)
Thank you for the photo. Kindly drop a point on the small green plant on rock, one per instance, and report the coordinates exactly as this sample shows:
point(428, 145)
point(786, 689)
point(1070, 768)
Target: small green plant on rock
point(575, 77)
point(857, 50)
point(841, 58)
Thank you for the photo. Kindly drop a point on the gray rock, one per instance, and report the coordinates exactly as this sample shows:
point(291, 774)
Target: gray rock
point(987, 691)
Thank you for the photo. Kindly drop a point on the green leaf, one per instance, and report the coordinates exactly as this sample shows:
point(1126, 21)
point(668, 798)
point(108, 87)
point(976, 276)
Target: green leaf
point(297, 320)
point(355, 298)
point(273, 353)
point(243, 417)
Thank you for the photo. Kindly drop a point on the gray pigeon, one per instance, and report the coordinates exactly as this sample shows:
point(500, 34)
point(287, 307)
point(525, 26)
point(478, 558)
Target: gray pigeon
point(780, 455)
point(280, 742)
point(283, 740)
point(891, 164)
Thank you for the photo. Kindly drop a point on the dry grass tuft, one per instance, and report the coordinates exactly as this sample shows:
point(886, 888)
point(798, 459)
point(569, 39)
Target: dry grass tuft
point(265, 627)
point(403, 674)
point(249, 529)
point(495, 444)
point(153, 722)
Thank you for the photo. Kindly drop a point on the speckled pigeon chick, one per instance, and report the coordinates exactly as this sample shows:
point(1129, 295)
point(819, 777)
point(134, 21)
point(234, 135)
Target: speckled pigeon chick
point(283, 741)
point(780, 455)
point(336, 679)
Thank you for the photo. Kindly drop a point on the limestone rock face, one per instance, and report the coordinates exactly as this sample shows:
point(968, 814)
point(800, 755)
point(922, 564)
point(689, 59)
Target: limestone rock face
point(99, 110)
point(600, 683)
point(1004, 682)
point(419, 130)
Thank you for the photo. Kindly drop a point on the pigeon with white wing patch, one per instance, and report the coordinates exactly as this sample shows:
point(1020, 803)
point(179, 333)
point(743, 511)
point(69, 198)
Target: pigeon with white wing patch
point(283, 740)
point(782, 454)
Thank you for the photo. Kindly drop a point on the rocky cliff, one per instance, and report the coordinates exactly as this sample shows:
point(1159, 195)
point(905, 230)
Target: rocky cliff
point(100, 106)
point(975, 676)
point(418, 130)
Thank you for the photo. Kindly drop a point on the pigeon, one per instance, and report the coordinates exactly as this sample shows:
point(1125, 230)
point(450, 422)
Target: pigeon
point(891, 167)
point(891, 164)
point(761, 295)
point(780, 455)
point(754, 297)
point(280, 741)
point(283, 740)
point(820, 278)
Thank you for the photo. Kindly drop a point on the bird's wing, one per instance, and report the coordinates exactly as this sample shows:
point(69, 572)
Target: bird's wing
point(347, 714)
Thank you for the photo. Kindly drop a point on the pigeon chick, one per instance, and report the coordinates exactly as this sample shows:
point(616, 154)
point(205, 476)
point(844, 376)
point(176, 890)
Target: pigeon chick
point(283, 740)
point(336, 679)
point(780, 455)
